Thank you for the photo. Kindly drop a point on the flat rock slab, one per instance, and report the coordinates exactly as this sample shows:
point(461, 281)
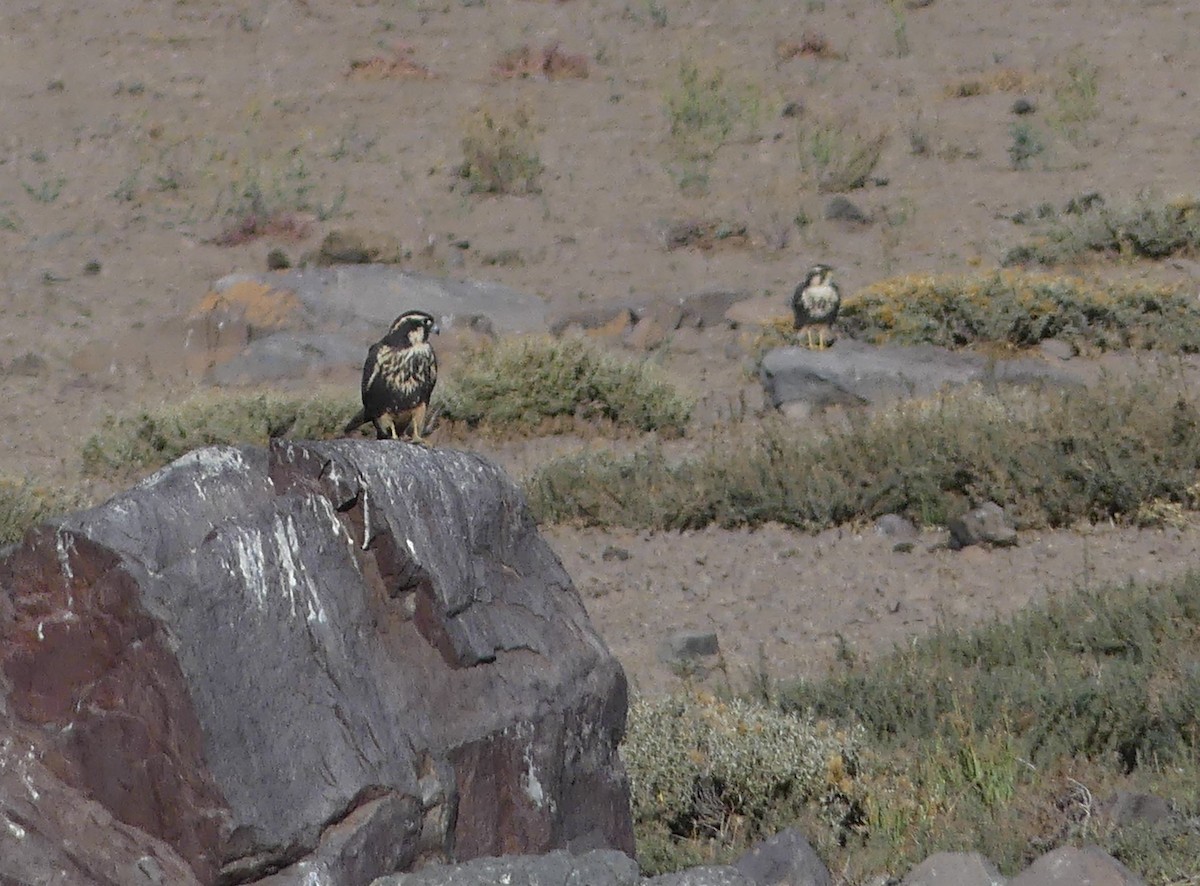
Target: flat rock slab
point(853, 373)
point(376, 294)
point(292, 325)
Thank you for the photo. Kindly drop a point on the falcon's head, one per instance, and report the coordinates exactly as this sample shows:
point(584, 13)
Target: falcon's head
point(411, 328)
point(818, 275)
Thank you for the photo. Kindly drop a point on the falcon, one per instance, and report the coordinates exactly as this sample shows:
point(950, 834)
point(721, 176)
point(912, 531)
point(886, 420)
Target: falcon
point(398, 379)
point(815, 305)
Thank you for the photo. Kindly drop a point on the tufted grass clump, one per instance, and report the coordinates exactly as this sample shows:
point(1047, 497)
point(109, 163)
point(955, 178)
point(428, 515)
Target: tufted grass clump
point(499, 152)
point(147, 439)
point(24, 504)
point(1008, 738)
point(1051, 458)
point(1147, 228)
point(836, 157)
point(701, 767)
point(1020, 309)
point(521, 383)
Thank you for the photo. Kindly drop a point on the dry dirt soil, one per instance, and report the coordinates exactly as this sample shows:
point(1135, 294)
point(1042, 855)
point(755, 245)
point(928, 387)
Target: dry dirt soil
point(131, 133)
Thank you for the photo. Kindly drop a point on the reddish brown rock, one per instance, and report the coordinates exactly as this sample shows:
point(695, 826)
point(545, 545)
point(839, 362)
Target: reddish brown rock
point(325, 659)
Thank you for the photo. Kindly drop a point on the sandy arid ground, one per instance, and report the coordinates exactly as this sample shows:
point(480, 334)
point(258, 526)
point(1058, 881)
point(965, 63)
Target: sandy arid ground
point(131, 133)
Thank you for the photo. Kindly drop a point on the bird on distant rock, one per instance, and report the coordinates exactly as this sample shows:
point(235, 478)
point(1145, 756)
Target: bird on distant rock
point(815, 305)
point(398, 379)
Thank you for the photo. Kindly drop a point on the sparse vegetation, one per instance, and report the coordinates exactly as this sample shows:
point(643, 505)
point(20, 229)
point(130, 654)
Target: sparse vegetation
point(266, 202)
point(703, 112)
point(899, 27)
point(1148, 228)
point(24, 504)
point(549, 62)
point(1076, 95)
point(835, 157)
point(523, 383)
point(498, 153)
point(1050, 458)
point(1005, 739)
point(46, 191)
point(150, 438)
point(1018, 310)
point(1026, 144)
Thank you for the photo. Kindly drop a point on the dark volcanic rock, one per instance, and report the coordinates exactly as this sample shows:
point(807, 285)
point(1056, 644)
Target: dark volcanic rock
point(852, 372)
point(339, 657)
point(786, 859)
point(52, 833)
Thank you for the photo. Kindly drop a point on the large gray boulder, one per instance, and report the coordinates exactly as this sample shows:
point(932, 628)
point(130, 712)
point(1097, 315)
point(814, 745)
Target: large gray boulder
point(335, 659)
point(853, 373)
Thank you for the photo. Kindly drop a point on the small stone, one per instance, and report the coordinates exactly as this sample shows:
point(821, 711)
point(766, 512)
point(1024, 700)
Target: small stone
point(1057, 349)
point(1131, 807)
point(683, 646)
point(986, 524)
point(841, 209)
point(895, 526)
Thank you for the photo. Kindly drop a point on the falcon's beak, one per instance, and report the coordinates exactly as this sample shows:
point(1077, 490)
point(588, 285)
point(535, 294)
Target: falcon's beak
point(437, 330)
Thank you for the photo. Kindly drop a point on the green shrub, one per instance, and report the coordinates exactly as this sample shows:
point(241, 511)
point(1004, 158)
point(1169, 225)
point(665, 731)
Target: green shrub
point(1026, 144)
point(1076, 95)
point(1050, 458)
point(1020, 310)
point(1146, 229)
point(696, 763)
point(150, 438)
point(24, 504)
point(522, 382)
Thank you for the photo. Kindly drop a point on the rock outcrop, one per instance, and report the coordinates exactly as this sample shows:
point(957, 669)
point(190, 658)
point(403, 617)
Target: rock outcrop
point(852, 373)
point(338, 659)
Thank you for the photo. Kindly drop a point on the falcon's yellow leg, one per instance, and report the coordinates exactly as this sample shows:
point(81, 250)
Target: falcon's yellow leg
point(418, 424)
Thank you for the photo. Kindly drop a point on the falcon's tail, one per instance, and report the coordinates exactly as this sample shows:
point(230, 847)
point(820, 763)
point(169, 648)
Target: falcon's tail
point(360, 418)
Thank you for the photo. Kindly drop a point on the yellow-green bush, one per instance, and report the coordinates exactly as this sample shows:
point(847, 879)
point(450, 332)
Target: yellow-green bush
point(522, 382)
point(150, 438)
point(695, 762)
point(23, 504)
point(1021, 309)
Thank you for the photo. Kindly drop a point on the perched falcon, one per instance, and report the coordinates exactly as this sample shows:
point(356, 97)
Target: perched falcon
point(398, 378)
point(815, 305)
